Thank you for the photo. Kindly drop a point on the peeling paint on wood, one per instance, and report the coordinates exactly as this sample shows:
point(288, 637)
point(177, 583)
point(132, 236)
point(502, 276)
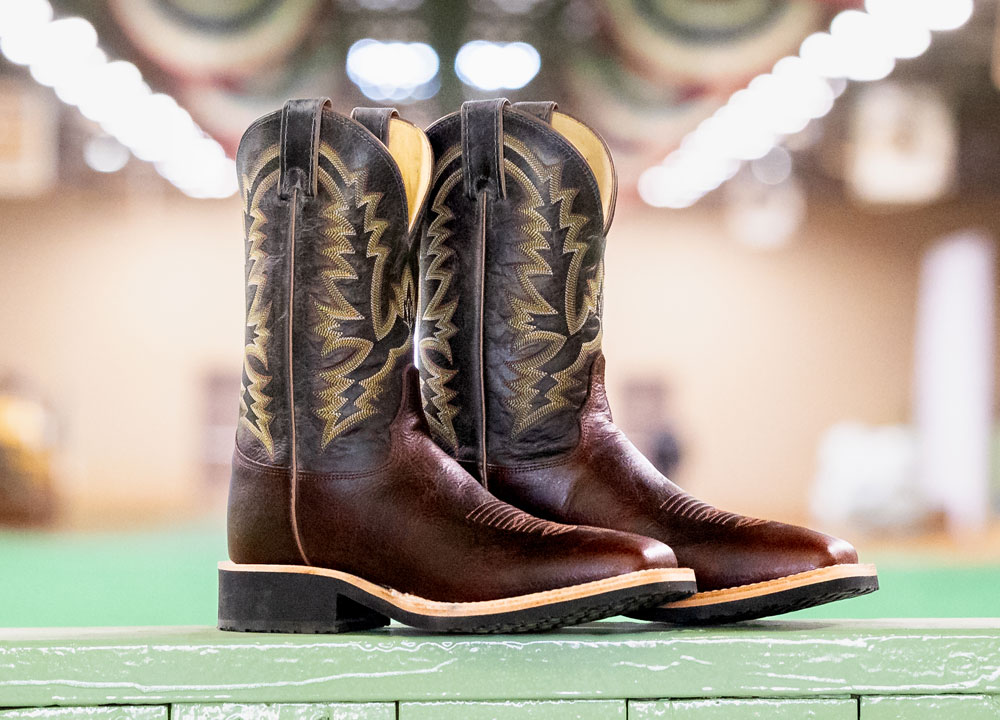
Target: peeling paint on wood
point(607, 660)
point(284, 711)
point(87, 713)
point(931, 707)
point(745, 709)
point(515, 710)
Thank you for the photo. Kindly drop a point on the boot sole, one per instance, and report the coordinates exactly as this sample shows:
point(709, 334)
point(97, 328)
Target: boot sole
point(304, 599)
point(772, 597)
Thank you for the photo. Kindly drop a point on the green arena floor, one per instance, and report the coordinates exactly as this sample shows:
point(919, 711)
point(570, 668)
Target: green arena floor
point(168, 578)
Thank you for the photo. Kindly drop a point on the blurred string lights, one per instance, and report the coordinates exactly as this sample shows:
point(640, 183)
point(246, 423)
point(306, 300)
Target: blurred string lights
point(394, 71)
point(63, 54)
point(860, 46)
point(404, 72)
point(493, 65)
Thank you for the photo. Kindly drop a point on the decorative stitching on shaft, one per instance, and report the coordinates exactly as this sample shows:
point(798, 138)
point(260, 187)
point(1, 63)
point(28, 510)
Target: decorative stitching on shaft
point(543, 346)
point(437, 394)
point(258, 316)
point(335, 309)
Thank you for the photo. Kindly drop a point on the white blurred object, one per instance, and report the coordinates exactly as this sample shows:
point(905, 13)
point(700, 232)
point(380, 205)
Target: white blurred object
point(394, 71)
point(29, 141)
point(492, 65)
point(867, 478)
point(105, 154)
point(954, 377)
point(903, 144)
point(764, 216)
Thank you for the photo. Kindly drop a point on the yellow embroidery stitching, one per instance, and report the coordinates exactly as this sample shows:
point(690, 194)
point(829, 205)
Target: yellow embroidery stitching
point(576, 315)
point(375, 227)
point(336, 309)
point(573, 376)
point(258, 314)
point(529, 371)
point(573, 223)
point(440, 313)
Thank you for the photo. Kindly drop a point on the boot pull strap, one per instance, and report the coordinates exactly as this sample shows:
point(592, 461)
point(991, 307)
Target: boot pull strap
point(482, 146)
point(375, 120)
point(300, 121)
point(541, 110)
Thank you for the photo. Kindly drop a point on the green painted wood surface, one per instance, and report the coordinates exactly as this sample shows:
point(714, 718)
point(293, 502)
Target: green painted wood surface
point(745, 709)
point(515, 710)
point(931, 707)
point(605, 660)
point(284, 711)
point(149, 712)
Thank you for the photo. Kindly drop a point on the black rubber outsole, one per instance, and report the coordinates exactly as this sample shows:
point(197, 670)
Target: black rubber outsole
point(776, 603)
point(291, 602)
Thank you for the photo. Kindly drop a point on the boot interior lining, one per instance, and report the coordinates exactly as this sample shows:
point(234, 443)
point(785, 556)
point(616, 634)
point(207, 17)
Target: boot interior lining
point(594, 152)
point(411, 150)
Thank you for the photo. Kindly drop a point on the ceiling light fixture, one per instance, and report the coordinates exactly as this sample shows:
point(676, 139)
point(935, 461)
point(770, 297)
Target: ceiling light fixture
point(393, 71)
point(493, 66)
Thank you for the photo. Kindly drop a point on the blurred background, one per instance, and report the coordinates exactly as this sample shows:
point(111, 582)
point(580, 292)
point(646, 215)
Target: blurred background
point(801, 279)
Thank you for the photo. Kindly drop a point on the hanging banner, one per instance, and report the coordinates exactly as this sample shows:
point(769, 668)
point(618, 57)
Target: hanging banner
point(722, 43)
point(195, 39)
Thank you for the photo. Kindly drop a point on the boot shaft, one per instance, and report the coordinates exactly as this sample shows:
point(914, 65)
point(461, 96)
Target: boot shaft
point(511, 272)
point(328, 208)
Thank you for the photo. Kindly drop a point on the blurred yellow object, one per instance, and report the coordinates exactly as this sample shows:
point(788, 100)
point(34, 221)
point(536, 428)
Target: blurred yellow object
point(26, 488)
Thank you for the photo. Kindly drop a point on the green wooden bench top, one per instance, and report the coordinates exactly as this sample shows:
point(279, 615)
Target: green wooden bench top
point(606, 660)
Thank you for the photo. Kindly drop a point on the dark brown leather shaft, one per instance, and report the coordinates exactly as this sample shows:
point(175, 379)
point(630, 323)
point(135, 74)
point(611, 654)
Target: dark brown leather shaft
point(510, 288)
point(526, 399)
point(334, 466)
point(328, 290)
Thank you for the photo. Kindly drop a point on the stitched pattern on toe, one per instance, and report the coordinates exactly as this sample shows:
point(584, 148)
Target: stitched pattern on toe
point(691, 508)
point(495, 513)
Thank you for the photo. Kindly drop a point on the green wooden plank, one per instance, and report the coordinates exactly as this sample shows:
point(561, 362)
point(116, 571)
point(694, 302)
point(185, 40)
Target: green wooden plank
point(284, 711)
point(745, 709)
point(931, 707)
point(515, 710)
point(121, 712)
point(597, 661)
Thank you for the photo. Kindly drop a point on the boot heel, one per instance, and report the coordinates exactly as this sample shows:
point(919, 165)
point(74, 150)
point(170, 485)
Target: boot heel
point(286, 602)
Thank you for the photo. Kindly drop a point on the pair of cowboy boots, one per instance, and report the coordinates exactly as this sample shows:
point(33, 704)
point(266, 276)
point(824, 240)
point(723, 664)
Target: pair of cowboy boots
point(491, 492)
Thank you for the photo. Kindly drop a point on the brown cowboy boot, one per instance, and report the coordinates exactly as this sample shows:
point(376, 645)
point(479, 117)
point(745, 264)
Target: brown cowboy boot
point(511, 272)
point(343, 512)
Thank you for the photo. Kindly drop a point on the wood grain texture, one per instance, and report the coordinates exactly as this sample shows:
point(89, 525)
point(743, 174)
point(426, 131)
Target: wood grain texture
point(745, 709)
point(597, 661)
point(931, 707)
point(284, 711)
point(515, 710)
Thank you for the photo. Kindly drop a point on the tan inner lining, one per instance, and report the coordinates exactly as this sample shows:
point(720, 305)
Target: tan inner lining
point(423, 606)
point(594, 152)
point(744, 592)
point(411, 150)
